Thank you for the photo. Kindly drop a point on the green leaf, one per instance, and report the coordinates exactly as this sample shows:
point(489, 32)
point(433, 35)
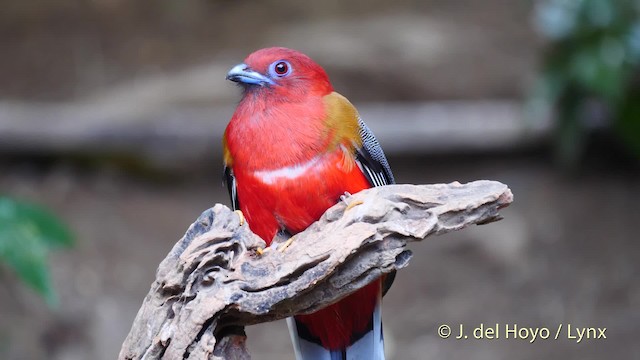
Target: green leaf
point(43, 223)
point(26, 254)
point(593, 53)
point(27, 233)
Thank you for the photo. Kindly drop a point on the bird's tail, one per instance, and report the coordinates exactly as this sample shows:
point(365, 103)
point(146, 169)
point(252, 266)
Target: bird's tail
point(368, 346)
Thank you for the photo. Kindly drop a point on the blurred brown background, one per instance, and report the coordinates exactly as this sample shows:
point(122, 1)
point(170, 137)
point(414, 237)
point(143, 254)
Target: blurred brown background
point(112, 112)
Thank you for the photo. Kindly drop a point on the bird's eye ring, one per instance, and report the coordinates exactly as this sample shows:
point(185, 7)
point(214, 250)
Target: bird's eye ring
point(281, 68)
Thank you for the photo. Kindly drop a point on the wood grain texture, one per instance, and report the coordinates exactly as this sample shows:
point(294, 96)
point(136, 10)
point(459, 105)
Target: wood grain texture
point(213, 283)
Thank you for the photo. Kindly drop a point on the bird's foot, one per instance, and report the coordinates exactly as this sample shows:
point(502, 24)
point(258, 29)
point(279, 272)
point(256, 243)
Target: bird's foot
point(350, 204)
point(345, 197)
point(241, 216)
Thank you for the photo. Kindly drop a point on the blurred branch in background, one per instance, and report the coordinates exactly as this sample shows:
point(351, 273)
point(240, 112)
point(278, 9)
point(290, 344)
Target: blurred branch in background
point(590, 73)
point(170, 137)
point(27, 234)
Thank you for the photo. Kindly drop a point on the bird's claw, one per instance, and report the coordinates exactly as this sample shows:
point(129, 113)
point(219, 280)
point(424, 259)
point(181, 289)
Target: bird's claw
point(345, 199)
point(260, 251)
point(241, 216)
point(286, 244)
point(353, 204)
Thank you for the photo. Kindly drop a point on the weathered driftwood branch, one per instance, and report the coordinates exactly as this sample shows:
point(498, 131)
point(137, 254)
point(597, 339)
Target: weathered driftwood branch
point(213, 282)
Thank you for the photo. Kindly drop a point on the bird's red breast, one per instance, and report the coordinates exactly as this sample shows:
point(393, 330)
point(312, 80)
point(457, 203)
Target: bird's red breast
point(288, 174)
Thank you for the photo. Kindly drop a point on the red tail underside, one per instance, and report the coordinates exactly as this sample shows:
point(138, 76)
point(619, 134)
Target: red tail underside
point(295, 204)
point(336, 324)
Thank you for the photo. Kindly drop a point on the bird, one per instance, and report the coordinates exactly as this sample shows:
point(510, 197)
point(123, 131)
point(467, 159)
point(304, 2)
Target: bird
point(292, 149)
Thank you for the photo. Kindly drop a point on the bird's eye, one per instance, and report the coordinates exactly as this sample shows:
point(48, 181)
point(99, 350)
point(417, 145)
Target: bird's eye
point(281, 68)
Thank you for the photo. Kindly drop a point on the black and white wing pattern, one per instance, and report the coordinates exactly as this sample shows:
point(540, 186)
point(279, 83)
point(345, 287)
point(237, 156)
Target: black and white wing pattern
point(230, 181)
point(371, 158)
point(375, 167)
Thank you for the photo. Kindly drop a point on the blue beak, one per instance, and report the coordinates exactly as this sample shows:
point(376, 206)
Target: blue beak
point(241, 73)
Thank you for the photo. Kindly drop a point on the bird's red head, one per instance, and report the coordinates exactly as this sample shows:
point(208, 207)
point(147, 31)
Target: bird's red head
point(286, 72)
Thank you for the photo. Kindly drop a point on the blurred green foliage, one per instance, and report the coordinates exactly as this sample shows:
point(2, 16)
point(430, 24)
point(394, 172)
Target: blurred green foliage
point(27, 234)
point(592, 63)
